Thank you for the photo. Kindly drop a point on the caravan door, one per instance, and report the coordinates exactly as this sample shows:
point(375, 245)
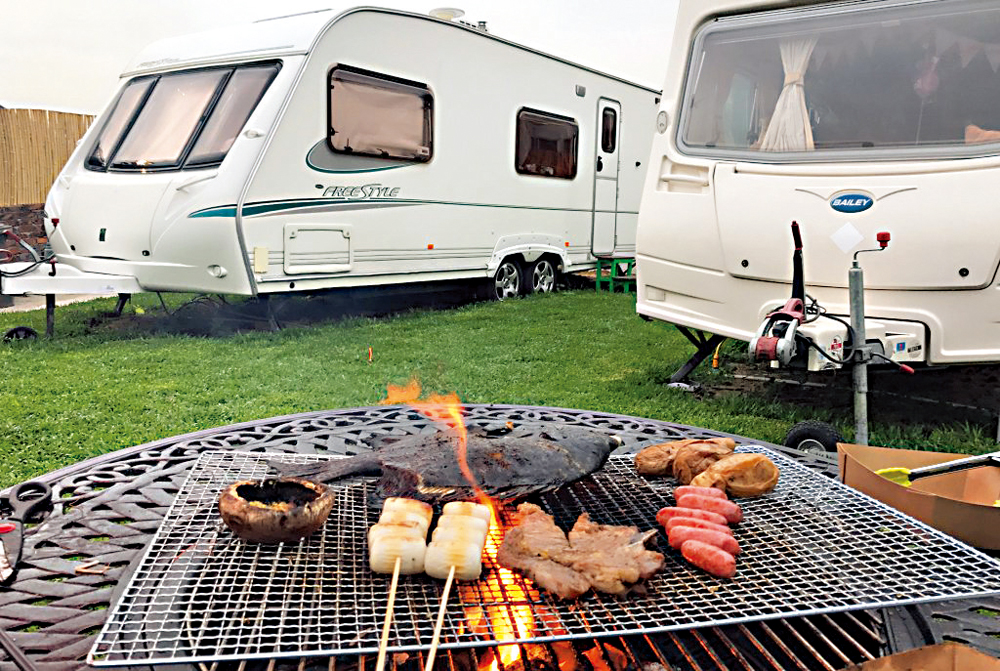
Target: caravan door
point(606, 177)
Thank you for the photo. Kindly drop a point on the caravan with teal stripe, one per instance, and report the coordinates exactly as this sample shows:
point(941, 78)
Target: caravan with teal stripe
point(365, 147)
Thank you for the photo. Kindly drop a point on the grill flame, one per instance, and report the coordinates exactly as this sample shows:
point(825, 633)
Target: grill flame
point(512, 618)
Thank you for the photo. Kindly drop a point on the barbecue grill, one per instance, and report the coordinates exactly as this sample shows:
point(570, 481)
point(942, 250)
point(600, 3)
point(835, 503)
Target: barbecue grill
point(137, 485)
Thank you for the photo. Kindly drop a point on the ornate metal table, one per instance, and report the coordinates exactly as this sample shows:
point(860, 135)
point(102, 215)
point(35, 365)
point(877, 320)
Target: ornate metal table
point(107, 508)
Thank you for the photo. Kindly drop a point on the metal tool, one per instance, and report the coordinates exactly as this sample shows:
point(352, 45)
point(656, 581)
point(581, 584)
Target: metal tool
point(27, 500)
point(905, 476)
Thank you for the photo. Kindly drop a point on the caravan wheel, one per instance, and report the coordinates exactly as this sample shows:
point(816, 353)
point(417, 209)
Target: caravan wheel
point(542, 276)
point(508, 280)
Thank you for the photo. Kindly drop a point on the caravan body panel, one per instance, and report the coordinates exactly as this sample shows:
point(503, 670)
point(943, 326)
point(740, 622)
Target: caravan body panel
point(894, 126)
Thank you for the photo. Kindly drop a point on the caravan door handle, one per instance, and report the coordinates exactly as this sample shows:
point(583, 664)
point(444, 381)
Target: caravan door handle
point(600, 164)
point(684, 179)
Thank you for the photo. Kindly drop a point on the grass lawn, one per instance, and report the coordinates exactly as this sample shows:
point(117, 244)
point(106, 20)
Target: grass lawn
point(103, 386)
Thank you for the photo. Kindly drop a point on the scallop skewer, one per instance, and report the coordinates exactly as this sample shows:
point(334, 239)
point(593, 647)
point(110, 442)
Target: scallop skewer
point(456, 547)
point(400, 534)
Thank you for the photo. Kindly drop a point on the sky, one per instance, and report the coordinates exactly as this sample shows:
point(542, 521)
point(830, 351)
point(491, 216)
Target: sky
point(66, 55)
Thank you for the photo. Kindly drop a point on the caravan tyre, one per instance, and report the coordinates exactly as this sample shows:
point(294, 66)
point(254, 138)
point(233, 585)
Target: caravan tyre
point(813, 436)
point(508, 280)
point(542, 276)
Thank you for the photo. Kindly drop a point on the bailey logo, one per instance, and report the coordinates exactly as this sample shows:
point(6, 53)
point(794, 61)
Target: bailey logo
point(851, 203)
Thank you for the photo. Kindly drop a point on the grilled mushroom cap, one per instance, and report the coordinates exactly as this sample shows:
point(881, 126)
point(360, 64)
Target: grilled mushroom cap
point(275, 511)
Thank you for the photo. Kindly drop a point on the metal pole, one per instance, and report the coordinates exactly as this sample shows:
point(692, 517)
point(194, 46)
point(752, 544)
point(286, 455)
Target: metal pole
point(50, 315)
point(856, 283)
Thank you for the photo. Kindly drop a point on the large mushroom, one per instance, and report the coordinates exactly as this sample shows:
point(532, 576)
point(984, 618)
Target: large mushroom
point(275, 511)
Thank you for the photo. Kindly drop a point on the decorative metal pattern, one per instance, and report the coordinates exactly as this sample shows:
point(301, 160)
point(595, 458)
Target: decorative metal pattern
point(813, 546)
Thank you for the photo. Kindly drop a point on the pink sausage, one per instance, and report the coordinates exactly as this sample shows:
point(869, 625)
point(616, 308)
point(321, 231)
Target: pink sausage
point(697, 524)
point(666, 513)
point(709, 558)
point(732, 512)
point(684, 490)
point(678, 535)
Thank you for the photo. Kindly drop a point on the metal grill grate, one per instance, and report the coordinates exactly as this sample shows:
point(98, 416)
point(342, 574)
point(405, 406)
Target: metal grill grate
point(811, 546)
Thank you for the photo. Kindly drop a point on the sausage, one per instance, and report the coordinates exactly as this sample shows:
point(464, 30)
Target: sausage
point(678, 535)
point(684, 490)
point(697, 524)
point(732, 512)
point(709, 558)
point(668, 512)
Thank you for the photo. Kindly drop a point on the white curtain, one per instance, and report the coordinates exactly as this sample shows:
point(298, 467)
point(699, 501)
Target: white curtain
point(789, 129)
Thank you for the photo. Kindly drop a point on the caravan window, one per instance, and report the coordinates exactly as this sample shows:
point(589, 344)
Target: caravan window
point(376, 115)
point(121, 116)
point(181, 119)
point(237, 101)
point(873, 79)
point(546, 144)
point(609, 129)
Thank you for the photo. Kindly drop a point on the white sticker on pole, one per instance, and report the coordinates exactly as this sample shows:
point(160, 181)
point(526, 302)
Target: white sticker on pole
point(847, 238)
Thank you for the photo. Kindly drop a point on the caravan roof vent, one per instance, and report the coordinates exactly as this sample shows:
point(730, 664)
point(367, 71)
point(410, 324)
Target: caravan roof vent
point(447, 13)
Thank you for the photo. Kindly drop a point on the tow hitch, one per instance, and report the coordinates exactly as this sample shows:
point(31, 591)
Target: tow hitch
point(776, 338)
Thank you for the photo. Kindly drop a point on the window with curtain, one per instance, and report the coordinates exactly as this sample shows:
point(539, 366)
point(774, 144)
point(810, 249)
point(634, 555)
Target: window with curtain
point(897, 80)
point(546, 144)
point(376, 115)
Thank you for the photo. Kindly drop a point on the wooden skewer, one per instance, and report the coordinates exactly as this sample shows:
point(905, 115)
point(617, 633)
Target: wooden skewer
point(384, 643)
point(440, 621)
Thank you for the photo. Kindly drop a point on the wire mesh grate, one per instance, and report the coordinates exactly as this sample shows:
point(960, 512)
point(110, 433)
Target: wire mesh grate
point(811, 546)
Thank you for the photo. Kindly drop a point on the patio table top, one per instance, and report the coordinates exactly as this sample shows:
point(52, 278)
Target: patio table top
point(107, 508)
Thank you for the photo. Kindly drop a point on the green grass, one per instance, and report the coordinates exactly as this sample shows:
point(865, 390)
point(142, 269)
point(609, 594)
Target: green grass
point(105, 385)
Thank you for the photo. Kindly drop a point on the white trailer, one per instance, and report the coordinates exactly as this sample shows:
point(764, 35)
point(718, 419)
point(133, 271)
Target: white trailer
point(332, 149)
point(850, 118)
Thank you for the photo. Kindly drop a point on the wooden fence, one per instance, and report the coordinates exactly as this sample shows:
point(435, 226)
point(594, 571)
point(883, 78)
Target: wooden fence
point(34, 146)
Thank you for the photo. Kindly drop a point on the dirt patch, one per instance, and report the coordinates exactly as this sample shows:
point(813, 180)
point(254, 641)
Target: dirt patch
point(217, 316)
point(939, 395)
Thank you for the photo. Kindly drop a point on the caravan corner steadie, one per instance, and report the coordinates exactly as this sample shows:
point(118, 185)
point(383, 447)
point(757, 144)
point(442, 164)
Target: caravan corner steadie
point(849, 118)
point(367, 147)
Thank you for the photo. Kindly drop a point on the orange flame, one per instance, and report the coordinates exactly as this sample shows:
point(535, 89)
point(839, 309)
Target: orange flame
point(512, 618)
point(444, 408)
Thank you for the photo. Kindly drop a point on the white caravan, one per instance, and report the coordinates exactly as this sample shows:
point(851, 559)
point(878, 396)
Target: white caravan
point(850, 118)
point(332, 149)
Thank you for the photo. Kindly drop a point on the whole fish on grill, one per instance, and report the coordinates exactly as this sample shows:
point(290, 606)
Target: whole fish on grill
point(507, 464)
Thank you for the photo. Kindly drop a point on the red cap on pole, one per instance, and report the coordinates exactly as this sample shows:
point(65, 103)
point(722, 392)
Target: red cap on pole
point(883, 239)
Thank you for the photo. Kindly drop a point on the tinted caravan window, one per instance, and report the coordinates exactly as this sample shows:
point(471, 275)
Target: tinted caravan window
point(377, 115)
point(609, 130)
point(546, 144)
point(181, 119)
point(875, 79)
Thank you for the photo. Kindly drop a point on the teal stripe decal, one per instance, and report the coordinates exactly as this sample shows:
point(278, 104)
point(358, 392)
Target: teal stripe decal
point(228, 211)
point(270, 207)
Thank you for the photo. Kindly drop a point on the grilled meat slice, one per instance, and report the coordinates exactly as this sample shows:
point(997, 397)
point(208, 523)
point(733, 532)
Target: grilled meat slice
point(528, 547)
point(609, 559)
point(508, 465)
point(612, 558)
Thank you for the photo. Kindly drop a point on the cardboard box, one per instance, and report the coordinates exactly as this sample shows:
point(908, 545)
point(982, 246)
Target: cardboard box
point(946, 656)
point(959, 504)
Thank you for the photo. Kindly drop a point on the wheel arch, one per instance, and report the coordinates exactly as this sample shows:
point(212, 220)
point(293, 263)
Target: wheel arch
point(528, 248)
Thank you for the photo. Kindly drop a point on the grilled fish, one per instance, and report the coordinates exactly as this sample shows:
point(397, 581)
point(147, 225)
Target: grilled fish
point(506, 464)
